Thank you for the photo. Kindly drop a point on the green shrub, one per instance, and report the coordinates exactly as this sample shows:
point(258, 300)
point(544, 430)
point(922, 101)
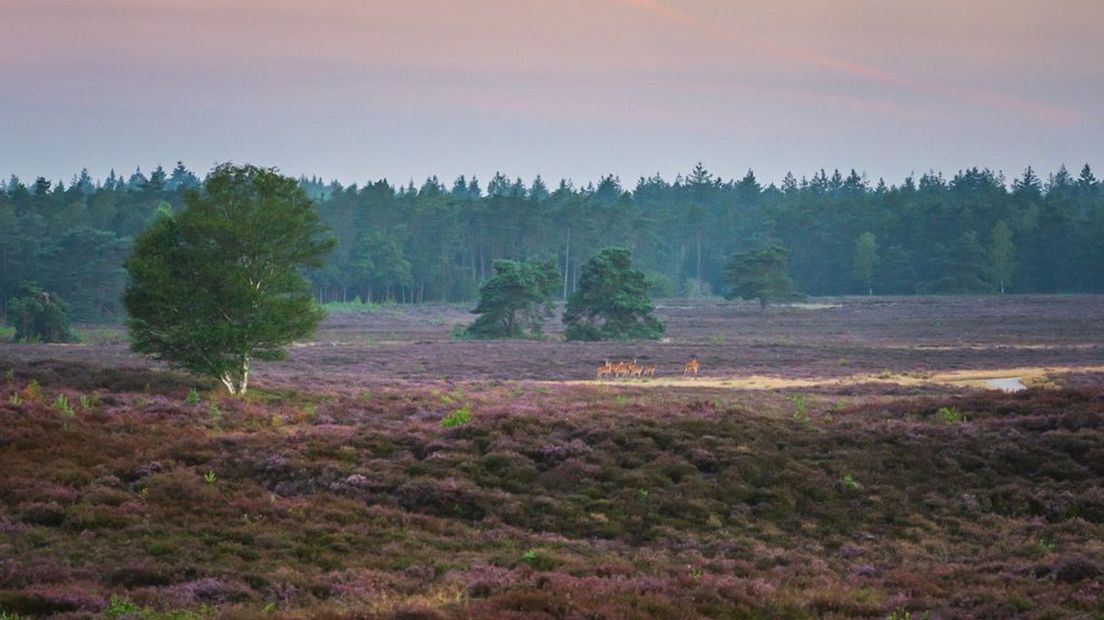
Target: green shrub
point(39, 316)
point(538, 560)
point(850, 483)
point(89, 401)
point(458, 417)
point(62, 405)
point(193, 397)
point(950, 415)
point(119, 607)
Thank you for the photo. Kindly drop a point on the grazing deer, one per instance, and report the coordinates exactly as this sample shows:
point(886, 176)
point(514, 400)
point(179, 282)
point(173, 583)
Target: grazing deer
point(691, 367)
point(621, 369)
point(604, 370)
point(649, 371)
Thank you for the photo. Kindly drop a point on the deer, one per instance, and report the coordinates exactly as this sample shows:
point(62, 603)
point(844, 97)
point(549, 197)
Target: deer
point(649, 371)
point(604, 370)
point(691, 367)
point(622, 370)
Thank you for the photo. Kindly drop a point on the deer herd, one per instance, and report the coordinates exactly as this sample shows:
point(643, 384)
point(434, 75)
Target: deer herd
point(633, 370)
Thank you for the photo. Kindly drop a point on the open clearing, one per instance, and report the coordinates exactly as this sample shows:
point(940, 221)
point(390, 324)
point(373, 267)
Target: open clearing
point(850, 459)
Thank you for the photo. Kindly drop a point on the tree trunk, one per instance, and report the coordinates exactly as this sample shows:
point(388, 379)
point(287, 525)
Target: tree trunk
point(237, 381)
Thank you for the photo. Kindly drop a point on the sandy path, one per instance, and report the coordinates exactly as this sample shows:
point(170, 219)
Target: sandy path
point(1007, 379)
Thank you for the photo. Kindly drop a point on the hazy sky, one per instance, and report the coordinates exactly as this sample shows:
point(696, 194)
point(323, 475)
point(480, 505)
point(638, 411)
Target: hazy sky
point(364, 89)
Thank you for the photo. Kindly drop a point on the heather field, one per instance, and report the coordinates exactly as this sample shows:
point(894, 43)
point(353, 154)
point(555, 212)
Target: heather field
point(838, 459)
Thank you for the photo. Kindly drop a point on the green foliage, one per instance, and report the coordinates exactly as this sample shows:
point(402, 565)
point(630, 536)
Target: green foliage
point(119, 607)
point(801, 410)
point(612, 301)
point(1001, 255)
point(87, 402)
point(377, 264)
point(962, 265)
point(210, 477)
point(759, 274)
point(220, 283)
point(193, 397)
point(458, 417)
point(435, 243)
point(86, 267)
point(123, 608)
point(850, 483)
point(902, 613)
point(454, 396)
point(864, 261)
point(515, 302)
point(356, 306)
point(38, 316)
point(63, 406)
point(950, 415)
point(538, 560)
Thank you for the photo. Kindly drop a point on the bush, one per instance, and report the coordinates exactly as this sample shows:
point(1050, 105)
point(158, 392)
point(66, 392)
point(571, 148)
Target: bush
point(459, 417)
point(950, 415)
point(38, 316)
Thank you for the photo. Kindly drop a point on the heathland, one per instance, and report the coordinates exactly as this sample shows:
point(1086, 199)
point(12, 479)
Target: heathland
point(843, 458)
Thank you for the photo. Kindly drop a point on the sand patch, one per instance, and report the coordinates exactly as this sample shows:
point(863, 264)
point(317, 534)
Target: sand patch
point(1007, 379)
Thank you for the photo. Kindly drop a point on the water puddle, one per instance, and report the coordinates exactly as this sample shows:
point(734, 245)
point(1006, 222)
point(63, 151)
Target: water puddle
point(1006, 384)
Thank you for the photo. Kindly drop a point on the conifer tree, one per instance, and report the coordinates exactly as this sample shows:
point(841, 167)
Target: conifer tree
point(612, 301)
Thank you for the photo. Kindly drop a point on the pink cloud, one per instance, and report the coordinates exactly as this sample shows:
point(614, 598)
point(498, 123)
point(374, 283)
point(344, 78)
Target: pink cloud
point(1042, 111)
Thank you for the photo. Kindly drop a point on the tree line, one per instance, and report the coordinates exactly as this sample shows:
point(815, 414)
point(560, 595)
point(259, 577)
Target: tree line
point(976, 232)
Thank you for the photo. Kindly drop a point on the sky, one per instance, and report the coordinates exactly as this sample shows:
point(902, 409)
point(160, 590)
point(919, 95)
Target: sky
point(360, 90)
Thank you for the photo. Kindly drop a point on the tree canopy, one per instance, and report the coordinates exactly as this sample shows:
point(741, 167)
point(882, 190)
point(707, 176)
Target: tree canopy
point(516, 300)
point(759, 274)
point(437, 240)
point(221, 282)
point(612, 301)
point(39, 316)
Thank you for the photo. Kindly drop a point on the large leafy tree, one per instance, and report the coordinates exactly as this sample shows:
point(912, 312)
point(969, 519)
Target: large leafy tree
point(515, 302)
point(221, 283)
point(759, 274)
point(612, 301)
